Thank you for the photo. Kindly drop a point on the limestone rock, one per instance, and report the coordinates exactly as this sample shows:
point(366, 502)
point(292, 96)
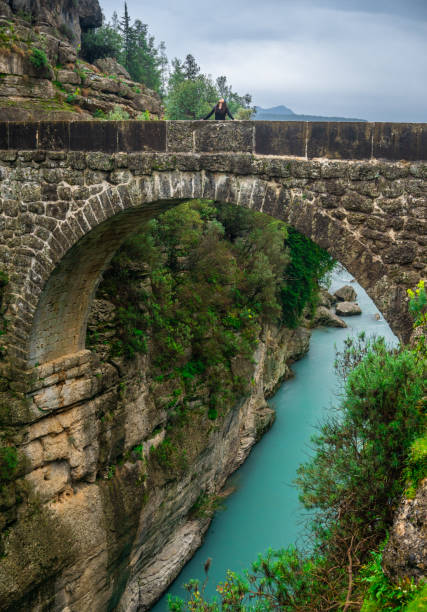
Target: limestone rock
point(101, 312)
point(76, 90)
point(347, 309)
point(326, 317)
point(346, 294)
point(68, 76)
point(5, 10)
point(109, 65)
point(326, 299)
point(69, 18)
point(406, 552)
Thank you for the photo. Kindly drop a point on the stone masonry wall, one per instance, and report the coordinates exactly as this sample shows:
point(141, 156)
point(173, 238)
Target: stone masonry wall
point(64, 212)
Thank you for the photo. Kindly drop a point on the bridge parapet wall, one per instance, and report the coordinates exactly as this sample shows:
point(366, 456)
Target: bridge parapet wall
point(309, 140)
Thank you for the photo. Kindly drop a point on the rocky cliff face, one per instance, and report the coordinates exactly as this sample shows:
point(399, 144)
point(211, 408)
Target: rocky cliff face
point(112, 504)
point(41, 77)
point(52, 16)
point(405, 555)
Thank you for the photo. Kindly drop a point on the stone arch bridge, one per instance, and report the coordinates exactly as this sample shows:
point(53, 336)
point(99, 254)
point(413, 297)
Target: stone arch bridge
point(110, 532)
point(72, 192)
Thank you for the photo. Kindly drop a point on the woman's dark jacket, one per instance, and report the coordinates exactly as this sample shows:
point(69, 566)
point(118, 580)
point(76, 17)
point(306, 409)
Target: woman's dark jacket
point(220, 113)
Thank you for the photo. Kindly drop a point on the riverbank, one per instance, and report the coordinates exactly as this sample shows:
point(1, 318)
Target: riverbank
point(264, 511)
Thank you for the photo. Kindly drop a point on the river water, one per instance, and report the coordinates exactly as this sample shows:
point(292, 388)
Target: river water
point(264, 510)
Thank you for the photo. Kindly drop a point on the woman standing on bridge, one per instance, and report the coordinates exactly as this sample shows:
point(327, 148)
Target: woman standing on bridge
point(221, 110)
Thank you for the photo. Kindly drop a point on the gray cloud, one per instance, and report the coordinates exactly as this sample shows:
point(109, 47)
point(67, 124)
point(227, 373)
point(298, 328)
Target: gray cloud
point(355, 58)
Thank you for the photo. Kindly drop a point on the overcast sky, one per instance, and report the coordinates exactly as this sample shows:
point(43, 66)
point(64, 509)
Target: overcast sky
point(353, 58)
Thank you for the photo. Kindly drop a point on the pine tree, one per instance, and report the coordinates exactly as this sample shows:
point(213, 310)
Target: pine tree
point(126, 30)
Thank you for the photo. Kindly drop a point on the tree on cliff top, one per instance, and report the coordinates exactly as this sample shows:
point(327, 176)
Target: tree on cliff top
point(132, 46)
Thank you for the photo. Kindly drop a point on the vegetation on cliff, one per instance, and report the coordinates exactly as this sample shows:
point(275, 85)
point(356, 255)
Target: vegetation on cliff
point(365, 454)
point(196, 286)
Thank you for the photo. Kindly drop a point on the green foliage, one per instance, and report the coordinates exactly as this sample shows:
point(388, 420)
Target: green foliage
point(416, 468)
point(279, 580)
point(418, 309)
point(191, 99)
point(132, 46)
point(118, 114)
point(383, 594)
point(419, 603)
point(8, 463)
point(145, 116)
point(206, 506)
point(25, 16)
point(99, 114)
point(100, 42)
point(309, 263)
point(38, 58)
point(59, 85)
point(66, 31)
point(215, 275)
point(191, 94)
point(351, 485)
point(367, 441)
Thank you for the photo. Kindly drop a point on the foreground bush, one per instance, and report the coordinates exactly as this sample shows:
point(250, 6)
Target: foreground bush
point(352, 486)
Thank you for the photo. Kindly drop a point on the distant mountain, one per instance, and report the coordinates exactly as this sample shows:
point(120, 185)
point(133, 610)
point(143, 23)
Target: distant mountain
point(275, 110)
point(283, 113)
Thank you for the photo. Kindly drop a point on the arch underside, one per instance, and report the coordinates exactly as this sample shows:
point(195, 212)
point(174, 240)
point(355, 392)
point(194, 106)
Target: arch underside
point(59, 322)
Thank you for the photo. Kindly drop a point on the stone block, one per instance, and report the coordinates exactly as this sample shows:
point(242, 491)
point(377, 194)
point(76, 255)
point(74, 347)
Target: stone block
point(68, 76)
point(93, 136)
point(142, 136)
point(346, 140)
point(401, 253)
point(54, 135)
point(396, 141)
point(217, 136)
point(23, 136)
point(179, 136)
point(280, 138)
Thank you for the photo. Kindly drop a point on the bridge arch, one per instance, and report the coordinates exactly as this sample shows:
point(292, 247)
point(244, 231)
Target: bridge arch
point(70, 194)
point(106, 219)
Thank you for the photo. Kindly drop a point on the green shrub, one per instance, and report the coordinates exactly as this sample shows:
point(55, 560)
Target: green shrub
point(382, 594)
point(38, 58)
point(417, 465)
point(366, 441)
point(118, 114)
point(8, 463)
point(99, 114)
point(309, 263)
point(145, 116)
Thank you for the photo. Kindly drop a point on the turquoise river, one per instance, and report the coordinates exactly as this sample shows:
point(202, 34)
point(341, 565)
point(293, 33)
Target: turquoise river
point(264, 510)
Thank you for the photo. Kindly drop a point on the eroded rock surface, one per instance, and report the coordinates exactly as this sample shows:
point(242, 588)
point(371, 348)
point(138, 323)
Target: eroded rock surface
point(56, 84)
point(405, 555)
point(124, 513)
point(324, 316)
point(66, 16)
point(347, 309)
point(345, 294)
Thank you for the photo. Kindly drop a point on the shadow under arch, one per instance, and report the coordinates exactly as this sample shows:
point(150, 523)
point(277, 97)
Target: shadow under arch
point(58, 326)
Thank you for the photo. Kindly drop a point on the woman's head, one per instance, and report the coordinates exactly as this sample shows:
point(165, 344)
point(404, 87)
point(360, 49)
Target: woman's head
point(222, 103)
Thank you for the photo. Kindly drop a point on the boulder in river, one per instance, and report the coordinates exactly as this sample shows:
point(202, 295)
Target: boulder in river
point(346, 294)
point(326, 317)
point(347, 309)
point(326, 299)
